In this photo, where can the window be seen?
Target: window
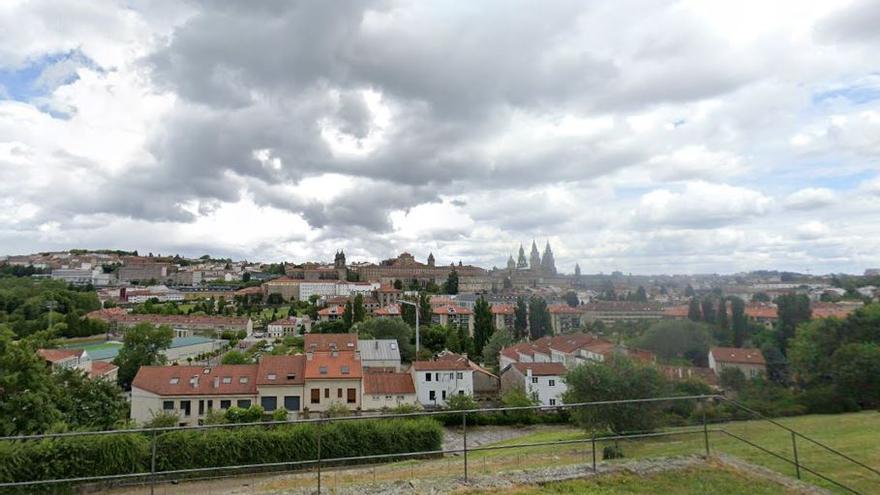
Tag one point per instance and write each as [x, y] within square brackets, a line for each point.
[534, 379]
[242, 379]
[271, 376]
[437, 376]
[459, 375]
[444, 395]
[345, 370]
[387, 397]
[185, 407]
[291, 402]
[168, 405]
[322, 370]
[225, 404]
[432, 395]
[552, 382]
[338, 393]
[210, 404]
[326, 393]
[227, 379]
[552, 402]
[291, 376]
[351, 396]
[427, 377]
[174, 381]
[461, 392]
[269, 403]
[316, 396]
[243, 403]
[201, 407]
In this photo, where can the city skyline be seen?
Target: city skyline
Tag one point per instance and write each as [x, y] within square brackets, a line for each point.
[689, 139]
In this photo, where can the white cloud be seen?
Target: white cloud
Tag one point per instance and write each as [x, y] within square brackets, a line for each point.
[701, 205]
[810, 198]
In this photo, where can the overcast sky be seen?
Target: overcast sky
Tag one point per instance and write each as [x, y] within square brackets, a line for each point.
[642, 136]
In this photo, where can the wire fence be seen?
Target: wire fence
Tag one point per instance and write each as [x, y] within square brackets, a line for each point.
[455, 462]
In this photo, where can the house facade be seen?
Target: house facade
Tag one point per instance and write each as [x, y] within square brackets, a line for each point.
[437, 381]
[545, 382]
[453, 316]
[750, 361]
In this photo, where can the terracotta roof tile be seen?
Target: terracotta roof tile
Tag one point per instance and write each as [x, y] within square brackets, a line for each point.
[343, 365]
[56, 355]
[388, 384]
[541, 369]
[227, 379]
[281, 370]
[737, 355]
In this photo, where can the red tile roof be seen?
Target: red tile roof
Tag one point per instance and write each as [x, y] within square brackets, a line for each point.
[56, 355]
[676, 312]
[564, 309]
[388, 384]
[502, 309]
[284, 322]
[323, 342]
[336, 309]
[765, 311]
[171, 320]
[341, 365]
[737, 355]
[541, 369]
[100, 368]
[441, 365]
[388, 289]
[287, 370]
[160, 380]
[390, 310]
[831, 311]
[450, 309]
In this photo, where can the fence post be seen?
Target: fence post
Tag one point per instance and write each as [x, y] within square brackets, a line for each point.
[705, 429]
[797, 465]
[593, 441]
[320, 429]
[464, 433]
[153, 463]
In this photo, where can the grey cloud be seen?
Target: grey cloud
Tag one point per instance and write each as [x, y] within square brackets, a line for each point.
[857, 21]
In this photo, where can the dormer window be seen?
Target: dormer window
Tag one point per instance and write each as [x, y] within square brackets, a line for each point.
[291, 376]
[242, 379]
[322, 370]
[271, 376]
[227, 379]
[206, 371]
[345, 370]
[174, 381]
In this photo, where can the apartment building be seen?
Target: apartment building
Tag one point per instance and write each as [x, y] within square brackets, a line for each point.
[545, 382]
[565, 318]
[569, 350]
[436, 381]
[454, 316]
[609, 312]
[503, 316]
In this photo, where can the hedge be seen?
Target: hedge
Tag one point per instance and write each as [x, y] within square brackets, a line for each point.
[71, 457]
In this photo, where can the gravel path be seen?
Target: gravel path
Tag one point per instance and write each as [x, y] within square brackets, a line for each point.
[484, 435]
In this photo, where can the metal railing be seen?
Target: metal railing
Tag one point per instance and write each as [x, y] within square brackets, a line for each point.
[320, 462]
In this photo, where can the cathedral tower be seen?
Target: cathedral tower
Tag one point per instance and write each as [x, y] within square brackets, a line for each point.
[521, 263]
[548, 264]
[535, 258]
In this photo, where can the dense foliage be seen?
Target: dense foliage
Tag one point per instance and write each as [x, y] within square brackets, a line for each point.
[28, 306]
[142, 346]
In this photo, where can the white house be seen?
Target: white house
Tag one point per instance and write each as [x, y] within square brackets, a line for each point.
[543, 381]
[296, 326]
[436, 381]
[79, 359]
[750, 361]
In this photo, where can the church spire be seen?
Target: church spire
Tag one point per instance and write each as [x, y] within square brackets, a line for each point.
[511, 265]
[535, 258]
[577, 270]
[521, 262]
[548, 264]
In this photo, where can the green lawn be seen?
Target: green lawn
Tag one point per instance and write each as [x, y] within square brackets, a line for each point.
[283, 312]
[856, 434]
[696, 481]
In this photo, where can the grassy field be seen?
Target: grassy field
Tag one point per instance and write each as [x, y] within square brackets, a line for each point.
[697, 481]
[283, 312]
[857, 435]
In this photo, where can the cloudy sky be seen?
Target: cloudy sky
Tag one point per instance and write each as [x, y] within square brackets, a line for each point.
[641, 136]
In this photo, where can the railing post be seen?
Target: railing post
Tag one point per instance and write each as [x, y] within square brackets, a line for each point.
[320, 429]
[153, 463]
[593, 441]
[797, 465]
[705, 428]
[464, 433]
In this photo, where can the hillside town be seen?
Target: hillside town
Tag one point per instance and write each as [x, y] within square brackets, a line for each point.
[315, 338]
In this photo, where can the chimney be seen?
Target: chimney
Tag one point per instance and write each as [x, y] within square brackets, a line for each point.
[309, 355]
[216, 382]
[529, 374]
[195, 381]
[334, 353]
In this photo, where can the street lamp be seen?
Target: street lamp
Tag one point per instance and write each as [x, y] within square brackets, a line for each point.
[416, 306]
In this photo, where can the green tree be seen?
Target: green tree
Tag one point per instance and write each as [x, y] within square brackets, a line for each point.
[855, 372]
[26, 388]
[793, 309]
[520, 319]
[738, 321]
[142, 346]
[358, 310]
[398, 284]
[335, 326]
[689, 291]
[671, 339]
[451, 285]
[571, 298]
[483, 326]
[500, 339]
[425, 309]
[408, 314]
[694, 313]
[619, 379]
[390, 328]
[760, 297]
[641, 295]
[347, 315]
[708, 310]
[539, 318]
[93, 404]
[732, 378]
[236, 357]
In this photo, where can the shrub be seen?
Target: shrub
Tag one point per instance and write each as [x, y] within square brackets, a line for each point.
[612, 452]
[162, 419]
[337, 410]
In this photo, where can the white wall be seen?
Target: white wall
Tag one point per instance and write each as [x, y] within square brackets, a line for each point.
[459, 382]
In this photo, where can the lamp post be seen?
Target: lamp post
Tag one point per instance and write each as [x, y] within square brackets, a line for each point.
[416, 307]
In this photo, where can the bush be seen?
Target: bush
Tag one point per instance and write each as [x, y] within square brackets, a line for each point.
[612, 452]
[826, 400]
[183, 449]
